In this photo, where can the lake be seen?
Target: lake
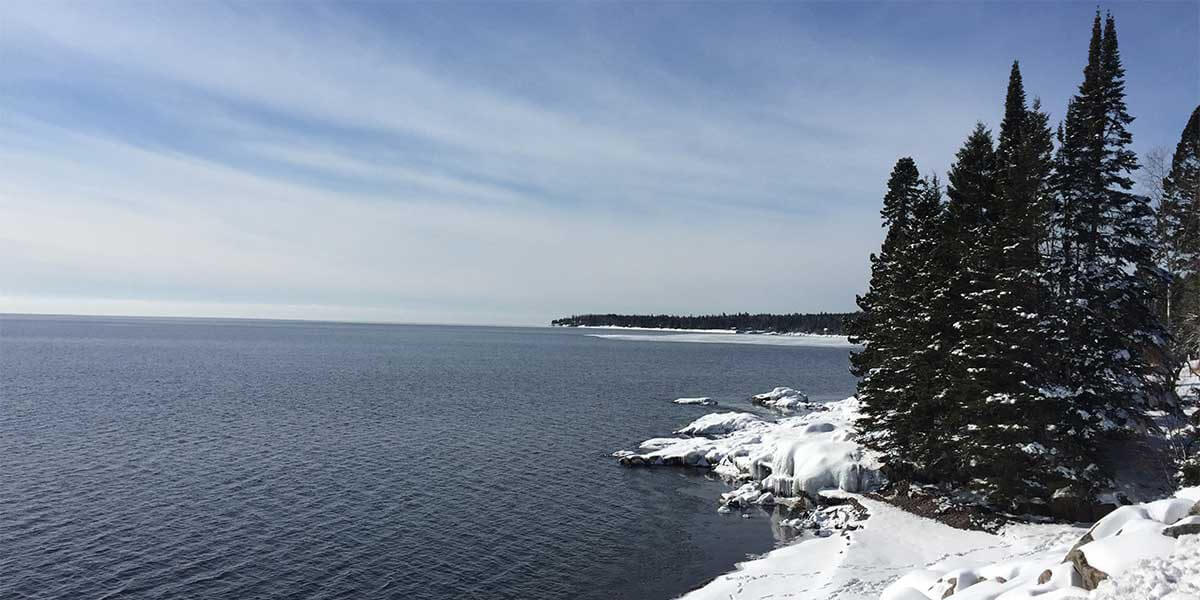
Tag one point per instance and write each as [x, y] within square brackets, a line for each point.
[203, 458]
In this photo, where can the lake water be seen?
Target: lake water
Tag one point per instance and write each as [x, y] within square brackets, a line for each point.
[233, 459]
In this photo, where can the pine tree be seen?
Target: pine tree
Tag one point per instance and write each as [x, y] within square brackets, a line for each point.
[1018, 450]
[971, 190]
[1107, 337]
[1181, 240]
[876, 326]
[893, 363]
[1180, 217]
[921, 419]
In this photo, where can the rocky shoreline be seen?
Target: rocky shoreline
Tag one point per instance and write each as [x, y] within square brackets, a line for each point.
[807, 465]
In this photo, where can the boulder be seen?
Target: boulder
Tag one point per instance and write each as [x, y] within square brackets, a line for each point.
[1089, 576]
[1186, 526]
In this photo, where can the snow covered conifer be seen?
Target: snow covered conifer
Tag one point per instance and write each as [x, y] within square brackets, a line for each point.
[1180, 210]
[1180, 254]
[971, 189]
[884, 328]
[1109, 341]
[1015, 447]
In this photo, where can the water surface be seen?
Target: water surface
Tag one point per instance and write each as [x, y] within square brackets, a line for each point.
[171, 458]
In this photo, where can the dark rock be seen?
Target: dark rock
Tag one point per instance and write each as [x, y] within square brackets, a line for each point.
[1086, 539]
[953, 581]
[1044, 577]
[1185, 526]
[1089, 576]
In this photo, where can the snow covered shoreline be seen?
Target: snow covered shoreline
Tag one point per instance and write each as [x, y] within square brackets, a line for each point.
[627, 328]
[730, 337]
[865, 548]
[796, 456]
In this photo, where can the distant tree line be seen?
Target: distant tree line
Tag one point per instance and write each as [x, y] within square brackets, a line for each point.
[829, 323]
[1033, 308]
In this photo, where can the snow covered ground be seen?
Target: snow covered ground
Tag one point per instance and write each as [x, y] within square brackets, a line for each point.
[833, 341]
[1148, 551]
[1125, 546]
[861, 564]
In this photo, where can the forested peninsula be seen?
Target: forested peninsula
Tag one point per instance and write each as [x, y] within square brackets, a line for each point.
[814, 323]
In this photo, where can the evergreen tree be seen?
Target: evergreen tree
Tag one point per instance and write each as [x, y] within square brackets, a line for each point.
[920, 419]
[1018, 450]
[1180, 216]
[1010, 330]
[887, 327]
[1107, 337]
[971, 191]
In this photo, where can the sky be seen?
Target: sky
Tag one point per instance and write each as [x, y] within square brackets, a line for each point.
[505, 163]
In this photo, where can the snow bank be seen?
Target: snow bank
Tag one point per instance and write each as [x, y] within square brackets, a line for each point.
[696, 401]
[859, 564]
[794, 456]
[895, 555]
[1125, 553]
[782, 398]
[1174, 577]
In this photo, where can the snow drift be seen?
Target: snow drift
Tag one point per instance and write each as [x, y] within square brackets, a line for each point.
[1122, 555]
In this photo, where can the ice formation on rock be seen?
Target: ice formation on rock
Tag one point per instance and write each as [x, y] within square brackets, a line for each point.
[782, 398]
[794, 456]
[696, 401]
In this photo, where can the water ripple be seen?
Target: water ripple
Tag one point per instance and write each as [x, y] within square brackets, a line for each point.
[231, 460]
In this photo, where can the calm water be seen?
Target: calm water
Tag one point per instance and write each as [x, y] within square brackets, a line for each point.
[151, 458]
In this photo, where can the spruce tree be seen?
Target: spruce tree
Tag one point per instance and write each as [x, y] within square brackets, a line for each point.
[1018, 450]
[1180, 210]
[971, 191]
[1180, 215]
[1107, 339]
[921, 419]
[876, 326]
[889, 384]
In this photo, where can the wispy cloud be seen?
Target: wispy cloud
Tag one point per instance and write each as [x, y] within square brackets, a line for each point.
[433, 164]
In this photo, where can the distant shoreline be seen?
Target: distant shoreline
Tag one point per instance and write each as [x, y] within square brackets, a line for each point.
[821, 323]
[730, 337]
[719, 331]
[630, 328]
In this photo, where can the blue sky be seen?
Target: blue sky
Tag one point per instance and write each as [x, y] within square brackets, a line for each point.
[500, 162]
